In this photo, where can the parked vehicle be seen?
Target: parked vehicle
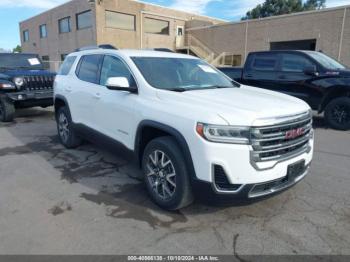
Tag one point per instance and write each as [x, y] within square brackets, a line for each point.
[311, 76]
[23, 83]
[191, 128]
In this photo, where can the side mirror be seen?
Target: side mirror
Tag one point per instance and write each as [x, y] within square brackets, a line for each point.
[310, 71]
[120, 84]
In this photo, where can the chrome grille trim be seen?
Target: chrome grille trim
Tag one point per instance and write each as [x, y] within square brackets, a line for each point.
[270, 143]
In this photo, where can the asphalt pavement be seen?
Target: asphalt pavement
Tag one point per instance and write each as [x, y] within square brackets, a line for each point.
[91, 201]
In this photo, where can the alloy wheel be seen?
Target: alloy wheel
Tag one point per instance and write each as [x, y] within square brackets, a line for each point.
[63, 127]
[161, 174]
[341, 114]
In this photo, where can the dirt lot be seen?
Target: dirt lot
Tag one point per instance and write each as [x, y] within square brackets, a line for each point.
[90, 201]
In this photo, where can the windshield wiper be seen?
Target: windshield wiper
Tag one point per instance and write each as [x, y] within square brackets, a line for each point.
[177, 89]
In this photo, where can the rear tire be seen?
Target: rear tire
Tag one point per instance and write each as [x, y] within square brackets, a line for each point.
[66, 132]
[7, 110]
[337, 113]
[166, 174]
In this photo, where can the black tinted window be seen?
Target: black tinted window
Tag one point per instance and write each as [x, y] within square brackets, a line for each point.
[114, 67]
[67, 65]
[89, 69]
[265, 62]
[294, 63]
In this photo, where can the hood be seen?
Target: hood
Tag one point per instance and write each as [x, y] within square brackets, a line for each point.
[240, 106]
[14, 73]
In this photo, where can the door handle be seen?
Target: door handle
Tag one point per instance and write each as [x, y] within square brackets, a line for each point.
[97, 95]
[282, 77]
[249, 75]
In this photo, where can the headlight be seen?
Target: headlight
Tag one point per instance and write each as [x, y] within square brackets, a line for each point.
[18, 81]
[224, 134]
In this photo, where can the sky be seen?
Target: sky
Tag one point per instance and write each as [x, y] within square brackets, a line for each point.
[14, 11]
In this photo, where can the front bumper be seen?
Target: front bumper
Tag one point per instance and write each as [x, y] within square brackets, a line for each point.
[249, 192]
[24, 96]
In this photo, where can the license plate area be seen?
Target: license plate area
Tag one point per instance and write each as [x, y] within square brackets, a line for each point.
[295, 170]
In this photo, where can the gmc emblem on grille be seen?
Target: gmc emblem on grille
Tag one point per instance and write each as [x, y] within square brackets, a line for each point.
[291, 134]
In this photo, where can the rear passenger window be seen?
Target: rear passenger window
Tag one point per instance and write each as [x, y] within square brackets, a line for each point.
[89, 69]
[67, 65]
[294, 63]
[265, 62]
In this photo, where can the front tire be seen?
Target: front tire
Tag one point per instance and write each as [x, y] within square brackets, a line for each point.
[66, 132]
[166, 174]
[7, 110]
[337, 113]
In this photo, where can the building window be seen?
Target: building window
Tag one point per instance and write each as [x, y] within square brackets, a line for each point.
[26, 36]
[84, 20]
[120, 21]
[64, 25]
[43, 31]
[63, 56]
[46, 62]
[155, 26]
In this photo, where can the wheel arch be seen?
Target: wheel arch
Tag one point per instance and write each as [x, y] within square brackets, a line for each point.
[59, 102]
[148, 130]
[338, 91]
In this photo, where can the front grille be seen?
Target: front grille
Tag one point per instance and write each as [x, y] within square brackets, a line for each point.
[280, 141]
[37, 83]
[221, 181]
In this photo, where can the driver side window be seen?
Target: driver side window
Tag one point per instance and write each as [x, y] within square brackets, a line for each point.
[295, 63]
[114, 67]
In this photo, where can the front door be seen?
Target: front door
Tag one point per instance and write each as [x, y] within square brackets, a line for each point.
[116, 108]
[295, 82]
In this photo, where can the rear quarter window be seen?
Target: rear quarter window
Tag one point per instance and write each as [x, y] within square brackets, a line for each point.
[67, 65]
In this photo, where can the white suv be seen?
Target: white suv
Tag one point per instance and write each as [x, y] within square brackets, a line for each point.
[191, 127]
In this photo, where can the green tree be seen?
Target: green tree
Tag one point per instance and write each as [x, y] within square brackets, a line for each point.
[281, 7]
[17, 49]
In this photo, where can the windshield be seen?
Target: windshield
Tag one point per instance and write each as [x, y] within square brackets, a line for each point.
[326, 61]
[181, 74]
[20, 61]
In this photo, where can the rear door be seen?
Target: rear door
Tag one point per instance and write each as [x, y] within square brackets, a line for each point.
[85, 90]
[261, 71]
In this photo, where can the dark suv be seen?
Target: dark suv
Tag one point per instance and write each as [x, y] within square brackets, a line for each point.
[23, 83]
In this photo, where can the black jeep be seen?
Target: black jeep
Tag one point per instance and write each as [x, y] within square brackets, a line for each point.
[23, 83]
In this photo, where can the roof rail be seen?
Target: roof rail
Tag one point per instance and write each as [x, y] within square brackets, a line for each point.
[92, 47]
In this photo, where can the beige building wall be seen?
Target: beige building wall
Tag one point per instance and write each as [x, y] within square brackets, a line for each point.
[57, 44]
[139, 38]
[240, 38]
